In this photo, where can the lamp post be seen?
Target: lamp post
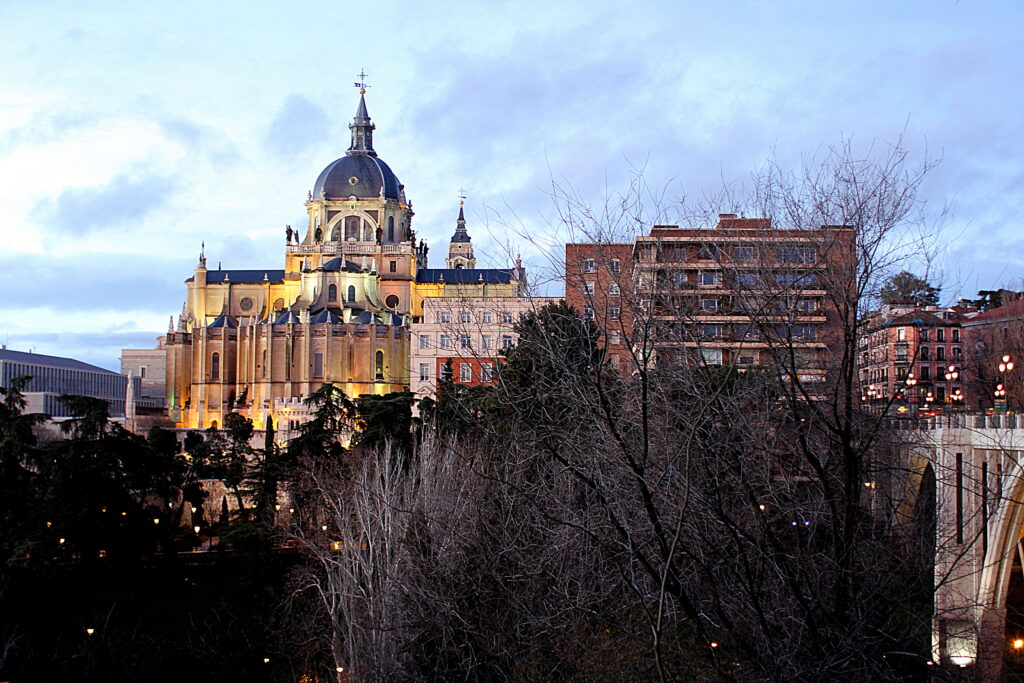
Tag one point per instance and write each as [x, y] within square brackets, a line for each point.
[1005, 366]
[911, 392]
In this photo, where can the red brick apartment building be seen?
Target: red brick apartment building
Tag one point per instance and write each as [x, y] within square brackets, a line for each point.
[990, 336]
[735, 294]
[913, 358]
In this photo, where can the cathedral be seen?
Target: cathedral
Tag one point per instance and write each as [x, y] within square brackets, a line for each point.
[258, 341]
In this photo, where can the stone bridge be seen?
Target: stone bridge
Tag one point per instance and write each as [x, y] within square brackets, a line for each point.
[976, 465]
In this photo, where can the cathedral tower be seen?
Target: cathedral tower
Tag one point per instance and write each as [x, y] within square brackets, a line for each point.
[460, 250]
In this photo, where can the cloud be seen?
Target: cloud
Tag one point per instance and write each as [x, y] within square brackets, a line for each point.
[98, 348]
[44, 127]
[298, 125]
[97, 282]
[129, 196]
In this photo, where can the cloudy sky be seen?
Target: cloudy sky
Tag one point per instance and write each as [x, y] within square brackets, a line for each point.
[131, 132]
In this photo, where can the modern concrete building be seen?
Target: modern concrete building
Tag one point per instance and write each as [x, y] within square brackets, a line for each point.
[53, 376]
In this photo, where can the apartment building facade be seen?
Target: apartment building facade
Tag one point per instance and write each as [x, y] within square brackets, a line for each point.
[467, 334]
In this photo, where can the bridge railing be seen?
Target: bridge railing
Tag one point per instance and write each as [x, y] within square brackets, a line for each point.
[960, 421]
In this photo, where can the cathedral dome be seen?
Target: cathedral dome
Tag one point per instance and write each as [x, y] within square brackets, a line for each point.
[356, 175]
[359, 173]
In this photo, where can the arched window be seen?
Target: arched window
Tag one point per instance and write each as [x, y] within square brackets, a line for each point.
[215, 366]
[213, 424]
[379, 371]
[351, 227]
[351, 292]
[336, 234]
[391, 229]
[332, 293]
[367, 232]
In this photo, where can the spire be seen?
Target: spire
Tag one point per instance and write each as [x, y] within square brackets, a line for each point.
[361, 126]
[460, 227]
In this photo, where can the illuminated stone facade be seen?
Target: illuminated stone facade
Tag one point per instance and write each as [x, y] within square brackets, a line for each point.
[258, 341]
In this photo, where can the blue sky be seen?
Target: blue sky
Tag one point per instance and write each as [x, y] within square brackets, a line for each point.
[131, 132]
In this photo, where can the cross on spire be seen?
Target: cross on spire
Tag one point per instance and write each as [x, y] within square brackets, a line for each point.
[361, 83]
[462, 195]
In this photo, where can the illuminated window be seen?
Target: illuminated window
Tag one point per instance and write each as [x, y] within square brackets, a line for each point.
[379, 366]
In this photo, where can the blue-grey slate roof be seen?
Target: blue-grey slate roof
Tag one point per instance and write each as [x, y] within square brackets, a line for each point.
[243, 275]
[370, 173]
[338, 263]
[465, 275]
[49, 361]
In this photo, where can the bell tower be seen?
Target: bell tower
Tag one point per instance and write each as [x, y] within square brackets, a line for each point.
[460, 249]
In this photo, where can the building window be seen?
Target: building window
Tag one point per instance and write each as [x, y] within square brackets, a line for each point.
[391, 228]
[318, 364]
[486, 372]
[424, 341]
[487, 317]
[746, 360]
[588, 312]
[392, 266]
[263, 365]
[925, 374]
[924, 353]
[709, 278]
[588, 288]
[392, 301]
[351, 293]
[351, 227]
[613, 289]
[588, 265]
[940, 335]
[615, 265]
[446, 342]
[711, 331]
[744, 253]
[804, 332]
[445, 373]
[332, 293]
[613, 313]
[956, 335]
[464, 341]
[379, 366]
[901, 334]
[465, 317]
[444, 317]
[506, 341]
[956, 353]
[466, 373]
[424, 372]
[506, 317]
[142, 372]
[940, 353]
[614, 338]
[711, 356]
[746, 279]
[796, 254]
[215, 366]
[924, 335]
[485, 341]
[708, 252]
[709, 305]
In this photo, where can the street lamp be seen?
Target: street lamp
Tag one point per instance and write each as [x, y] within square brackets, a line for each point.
[1005, 366]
